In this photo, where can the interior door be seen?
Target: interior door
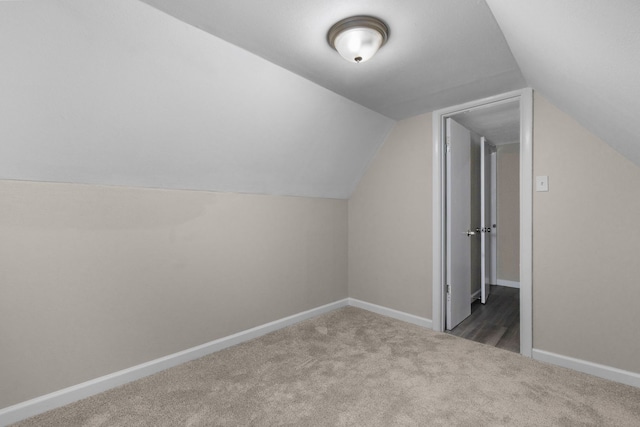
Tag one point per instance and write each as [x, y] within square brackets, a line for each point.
[487, 215]
[459, 233]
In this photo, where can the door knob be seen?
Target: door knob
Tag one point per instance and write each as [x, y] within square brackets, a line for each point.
[470, 233]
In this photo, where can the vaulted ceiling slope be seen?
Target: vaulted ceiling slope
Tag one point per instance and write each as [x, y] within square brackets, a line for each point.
[122, 93]
[439, 53]
[584, 56]
[119, 93]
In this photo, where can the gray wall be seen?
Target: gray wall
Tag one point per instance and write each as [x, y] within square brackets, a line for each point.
[586, 245]
[508, 215]
[390, 223]
[98, 279]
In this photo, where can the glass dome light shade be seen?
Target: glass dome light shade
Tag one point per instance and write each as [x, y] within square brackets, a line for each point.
[358, 44]
[358, 38]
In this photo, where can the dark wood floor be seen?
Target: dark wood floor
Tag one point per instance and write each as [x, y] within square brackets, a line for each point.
[495, 323]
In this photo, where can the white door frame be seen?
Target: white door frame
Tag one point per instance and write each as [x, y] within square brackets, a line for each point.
[525, 96]
[493, 274]
[487, 223]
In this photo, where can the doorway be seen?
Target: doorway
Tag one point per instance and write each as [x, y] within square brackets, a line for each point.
[486, 118]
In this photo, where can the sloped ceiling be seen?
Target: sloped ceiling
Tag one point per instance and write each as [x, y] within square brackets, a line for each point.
[584, 56]
[499, 124]
[120, 93]
[247, 96]
[439, 53]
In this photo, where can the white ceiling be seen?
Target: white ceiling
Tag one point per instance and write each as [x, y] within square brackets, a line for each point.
[123, 93]
[120, 93]
[584, 56]
[498, 123]
[439, 53]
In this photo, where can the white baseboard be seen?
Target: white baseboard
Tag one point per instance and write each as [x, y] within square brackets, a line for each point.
[595, 369]
[71, 394]
[508, 283]
[476, 295]
[400, 315]
[38, 405]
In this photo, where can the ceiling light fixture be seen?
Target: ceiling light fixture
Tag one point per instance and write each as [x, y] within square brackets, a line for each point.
[358, 38]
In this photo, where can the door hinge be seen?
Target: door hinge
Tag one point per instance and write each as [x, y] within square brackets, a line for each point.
[448, 145]
[449, 289]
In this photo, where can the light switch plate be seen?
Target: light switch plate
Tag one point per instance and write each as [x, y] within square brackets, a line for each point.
[542, 183]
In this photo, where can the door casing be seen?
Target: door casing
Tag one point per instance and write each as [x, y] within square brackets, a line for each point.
[525, 98]
[487, 206]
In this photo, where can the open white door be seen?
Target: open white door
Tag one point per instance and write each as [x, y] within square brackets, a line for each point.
[459, 233]
[487, 218]
[524, 99]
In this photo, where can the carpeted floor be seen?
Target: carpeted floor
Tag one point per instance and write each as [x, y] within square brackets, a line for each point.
[351, 367]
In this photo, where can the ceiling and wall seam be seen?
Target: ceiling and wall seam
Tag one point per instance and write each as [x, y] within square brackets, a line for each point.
[249, 97]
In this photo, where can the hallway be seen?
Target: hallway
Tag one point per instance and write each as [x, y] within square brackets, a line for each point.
[496, 323]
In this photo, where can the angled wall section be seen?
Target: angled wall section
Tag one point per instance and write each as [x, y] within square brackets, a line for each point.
[584, 59]
[119, 93]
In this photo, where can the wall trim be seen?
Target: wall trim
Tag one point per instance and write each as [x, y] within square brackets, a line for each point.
[38, 405]
[595, 369]
[509, 283]
[389, 312]
[476, 295]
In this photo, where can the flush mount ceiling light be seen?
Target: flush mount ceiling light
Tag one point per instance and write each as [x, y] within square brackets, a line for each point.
[358, 38]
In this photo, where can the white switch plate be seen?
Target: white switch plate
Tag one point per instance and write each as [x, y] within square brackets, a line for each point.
[542, 183]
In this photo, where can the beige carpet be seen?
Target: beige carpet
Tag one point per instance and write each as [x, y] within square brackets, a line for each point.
[355, 368]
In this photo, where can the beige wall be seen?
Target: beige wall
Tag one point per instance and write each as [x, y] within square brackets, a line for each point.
[586, 237]
[390, 223]
[508, 215]
[97, 279]
[586, 269]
